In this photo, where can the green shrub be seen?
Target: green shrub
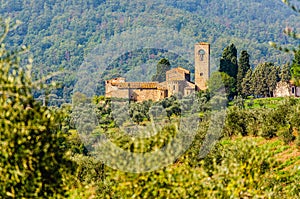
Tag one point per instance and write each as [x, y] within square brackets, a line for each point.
[235, 122]
[298, 141]
[233, 169]
[238, 172]
[287, 134]
[33, 161]
[268, 131]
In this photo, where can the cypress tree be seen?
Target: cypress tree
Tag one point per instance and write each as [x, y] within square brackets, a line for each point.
[228, 61]
[264, 79]
[243, 67]
[247, 89]
[285, 73]
[161, 68]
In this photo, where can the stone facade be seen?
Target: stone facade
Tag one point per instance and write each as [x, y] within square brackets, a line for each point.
[202, 65]
[177, 81]
[284, 89]
[136, 91]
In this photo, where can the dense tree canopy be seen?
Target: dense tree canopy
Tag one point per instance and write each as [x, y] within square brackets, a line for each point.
[285, 73]
[63, 33]
[264, 79]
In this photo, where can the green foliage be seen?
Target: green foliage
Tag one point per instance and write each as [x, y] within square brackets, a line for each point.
[140, 111]
[237, 171]
[142, 145]
[33, 159]
[246, 85]
[229, 62]
[221, 83]
[288, 30]
[285, 73]
[298, 141]
[172, 182]
[233, 169]
[236, 122]
[295, 68]
[266, 117]
[63, 33]
[75, 144]
[161, 68]
[89, 170]
[287, 134]
[243, 68]
[264, 79]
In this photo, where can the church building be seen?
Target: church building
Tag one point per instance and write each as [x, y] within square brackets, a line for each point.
[177, 81]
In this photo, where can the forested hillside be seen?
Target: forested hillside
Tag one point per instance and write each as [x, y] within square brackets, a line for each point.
[63, 33]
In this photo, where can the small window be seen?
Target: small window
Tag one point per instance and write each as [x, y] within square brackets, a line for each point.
[201, 57]
[201, 54]
[201, 74]
[293, 90]
[174, 87]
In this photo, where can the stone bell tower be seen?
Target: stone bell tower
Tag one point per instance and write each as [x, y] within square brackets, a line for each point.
[202, 65]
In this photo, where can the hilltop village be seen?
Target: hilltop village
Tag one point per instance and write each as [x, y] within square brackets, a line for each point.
[177, 81]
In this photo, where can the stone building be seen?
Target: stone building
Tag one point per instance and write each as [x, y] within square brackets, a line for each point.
[284, 89]
[177, 81]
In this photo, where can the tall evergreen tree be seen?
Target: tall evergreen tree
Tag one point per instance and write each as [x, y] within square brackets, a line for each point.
[161, 68]
[295, 69]
[228, 61]
[285, 73]
[247, 89]
[264, 79]
[243, 67]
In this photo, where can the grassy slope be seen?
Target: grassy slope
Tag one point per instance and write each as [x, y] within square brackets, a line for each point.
[287, 155]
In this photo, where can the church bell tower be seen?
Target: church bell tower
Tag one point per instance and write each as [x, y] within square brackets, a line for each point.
[202, 65]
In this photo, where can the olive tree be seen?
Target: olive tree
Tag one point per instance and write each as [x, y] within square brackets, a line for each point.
[33, 161]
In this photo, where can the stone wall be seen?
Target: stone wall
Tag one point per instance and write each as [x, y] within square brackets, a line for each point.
[202, 65]
[118, 93]
[140, 95]
[282, 90]
[136, 91]
[177, 74]
[181, 87]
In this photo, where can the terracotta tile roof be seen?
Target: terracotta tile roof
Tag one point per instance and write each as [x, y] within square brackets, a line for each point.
[140, 85]
[179, 69]
[203, 43]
